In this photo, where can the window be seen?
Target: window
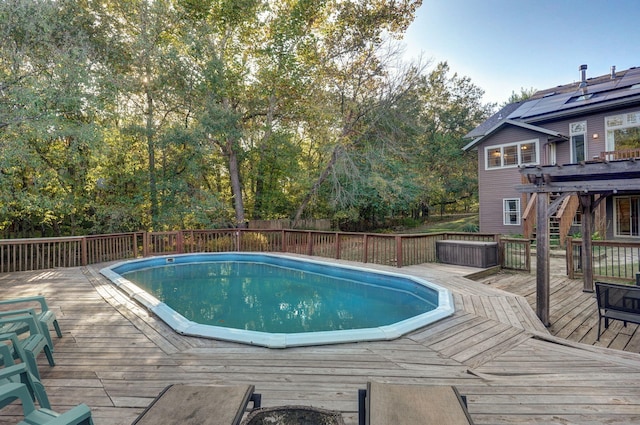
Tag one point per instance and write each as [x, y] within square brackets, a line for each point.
[511, 211]
[577, 131]
[627, 217]
[623, 131]
[512, 155]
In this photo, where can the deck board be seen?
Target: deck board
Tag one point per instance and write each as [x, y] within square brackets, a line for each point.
[116, 357]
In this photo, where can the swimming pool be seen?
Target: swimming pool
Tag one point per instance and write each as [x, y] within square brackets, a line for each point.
[340, 317]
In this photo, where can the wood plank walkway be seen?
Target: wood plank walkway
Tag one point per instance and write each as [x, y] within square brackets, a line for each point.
[573, 313]
[115, 357]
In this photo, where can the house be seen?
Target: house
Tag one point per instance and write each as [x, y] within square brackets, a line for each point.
[591, 120]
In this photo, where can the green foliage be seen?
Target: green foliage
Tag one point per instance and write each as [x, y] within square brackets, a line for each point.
[132, 115]
[522, 96]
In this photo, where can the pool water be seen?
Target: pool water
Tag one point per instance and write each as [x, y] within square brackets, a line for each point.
[270, 298]
[279, 301]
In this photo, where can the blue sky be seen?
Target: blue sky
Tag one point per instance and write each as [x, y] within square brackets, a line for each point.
[506, 45]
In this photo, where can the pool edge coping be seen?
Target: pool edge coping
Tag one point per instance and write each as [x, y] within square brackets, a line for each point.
[187, 327]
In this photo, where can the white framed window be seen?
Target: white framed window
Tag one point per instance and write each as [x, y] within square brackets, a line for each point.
[627, 216]
[511, 211]
[512, 154]
[578, 137]
[622, 131]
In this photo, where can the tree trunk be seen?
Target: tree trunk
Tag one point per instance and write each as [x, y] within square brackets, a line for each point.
[236, 185]
[260, 175]
[153, 195]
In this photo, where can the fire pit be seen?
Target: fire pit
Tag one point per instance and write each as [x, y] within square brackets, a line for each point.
[293, 415]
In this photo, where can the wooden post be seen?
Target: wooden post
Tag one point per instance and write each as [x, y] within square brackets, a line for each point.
[83, 247]
[586, 201]
[365, 248]
[542, 258]
[398, 251]
[569, 257]
[337, 245]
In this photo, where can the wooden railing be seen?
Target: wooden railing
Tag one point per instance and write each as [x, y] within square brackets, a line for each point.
[566, 213]
[515, 254]
[620, 154]
[612, 260]
[385, 249]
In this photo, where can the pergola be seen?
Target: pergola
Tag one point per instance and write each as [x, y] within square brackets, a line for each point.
[586, 180]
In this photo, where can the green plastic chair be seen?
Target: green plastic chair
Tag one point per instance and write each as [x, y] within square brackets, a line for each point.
[28, 349]
[45, 317]
[19, 374]
[79, 415]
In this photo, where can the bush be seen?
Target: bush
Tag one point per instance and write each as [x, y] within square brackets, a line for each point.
[470, 228]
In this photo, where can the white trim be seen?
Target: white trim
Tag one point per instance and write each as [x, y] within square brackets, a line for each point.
[632, 198]
[618, 122]
[506, 212]
[578, 128]
[518, 146]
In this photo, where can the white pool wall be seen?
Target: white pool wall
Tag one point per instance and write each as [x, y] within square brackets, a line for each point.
[184, 326]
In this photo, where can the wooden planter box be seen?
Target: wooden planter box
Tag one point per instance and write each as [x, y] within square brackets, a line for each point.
[467, 253]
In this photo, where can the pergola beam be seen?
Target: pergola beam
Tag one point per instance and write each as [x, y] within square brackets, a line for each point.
[587, 179]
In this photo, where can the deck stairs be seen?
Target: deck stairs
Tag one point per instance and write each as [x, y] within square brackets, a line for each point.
[562, 210]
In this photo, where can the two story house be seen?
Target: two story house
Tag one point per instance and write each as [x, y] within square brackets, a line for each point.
[593, 119]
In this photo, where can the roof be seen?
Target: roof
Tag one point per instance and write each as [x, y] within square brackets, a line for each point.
[600, 93]
[520, 124]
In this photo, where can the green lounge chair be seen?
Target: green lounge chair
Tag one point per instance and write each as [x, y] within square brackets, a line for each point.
[45, 317]
[79, 415]
[27, 349]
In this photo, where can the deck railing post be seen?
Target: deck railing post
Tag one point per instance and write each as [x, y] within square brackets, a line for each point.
[337, 245]
[283, 242]
[365, 248]
[145, 244]
[568, 253]
[83, 248]
[398, 251]
[134, 236]
[179, 242]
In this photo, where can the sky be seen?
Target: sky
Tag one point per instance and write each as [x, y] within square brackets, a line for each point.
[504, 46]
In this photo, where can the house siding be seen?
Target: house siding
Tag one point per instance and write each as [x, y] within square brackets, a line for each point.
[498, 184]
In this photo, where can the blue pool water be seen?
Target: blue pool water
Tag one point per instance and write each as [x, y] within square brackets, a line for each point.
[279, 301]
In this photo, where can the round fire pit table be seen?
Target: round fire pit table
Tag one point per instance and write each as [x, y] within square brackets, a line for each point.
[293, 415]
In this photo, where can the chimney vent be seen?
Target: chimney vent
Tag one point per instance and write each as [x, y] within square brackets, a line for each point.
[583, 76]
[613, 72]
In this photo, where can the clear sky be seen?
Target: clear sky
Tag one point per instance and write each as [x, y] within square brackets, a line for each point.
[506, 45]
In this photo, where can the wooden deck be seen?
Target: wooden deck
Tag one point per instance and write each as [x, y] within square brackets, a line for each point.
[573, 313]
[116, 358]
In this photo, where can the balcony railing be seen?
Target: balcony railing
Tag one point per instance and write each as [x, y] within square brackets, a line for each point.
[620, 154]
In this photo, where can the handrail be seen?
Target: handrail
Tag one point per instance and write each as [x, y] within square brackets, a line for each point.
[529, 219]
[566, 213]
[615, 260]
[620, 154]
[397, 250]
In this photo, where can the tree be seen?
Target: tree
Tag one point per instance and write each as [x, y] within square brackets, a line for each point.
[47, 112]
[351, 68]
[452, 107]
[519, 97]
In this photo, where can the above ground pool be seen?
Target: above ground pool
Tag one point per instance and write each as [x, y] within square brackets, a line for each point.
[279, 301]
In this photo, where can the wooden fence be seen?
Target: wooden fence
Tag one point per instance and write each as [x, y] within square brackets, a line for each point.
[612, 260]
[386, 249]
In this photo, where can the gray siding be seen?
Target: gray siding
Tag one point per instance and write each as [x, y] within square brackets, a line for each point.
[496, 185]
